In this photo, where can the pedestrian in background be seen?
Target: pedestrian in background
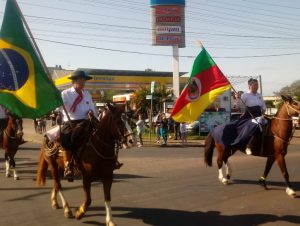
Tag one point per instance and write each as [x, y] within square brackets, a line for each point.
[183, 133]
[164, 128]
[176, 130]
[157, 127]
[140, 129]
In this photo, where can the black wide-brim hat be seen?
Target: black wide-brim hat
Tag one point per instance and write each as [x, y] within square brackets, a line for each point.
[79, 74]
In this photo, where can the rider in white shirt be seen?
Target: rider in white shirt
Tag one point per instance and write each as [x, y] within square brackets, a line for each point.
[255, 106]
[79, 104]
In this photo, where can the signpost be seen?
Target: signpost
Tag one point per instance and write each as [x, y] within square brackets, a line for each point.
[168, 29]
[152, 88]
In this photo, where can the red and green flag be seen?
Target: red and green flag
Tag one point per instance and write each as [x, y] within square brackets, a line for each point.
[25, 88]
[205, 84]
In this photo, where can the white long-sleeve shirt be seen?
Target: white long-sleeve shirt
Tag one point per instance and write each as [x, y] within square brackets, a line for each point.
[251, 99]
[82, 109]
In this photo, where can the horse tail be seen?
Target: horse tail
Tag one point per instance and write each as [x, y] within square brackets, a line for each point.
[209, 149]
[42, 170]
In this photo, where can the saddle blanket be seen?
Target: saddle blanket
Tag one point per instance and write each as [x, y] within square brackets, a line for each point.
[237, 133]
[53, 134]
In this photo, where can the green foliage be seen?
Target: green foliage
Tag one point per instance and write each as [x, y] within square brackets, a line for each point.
[161, 94]
[269, 104]
[292, 90]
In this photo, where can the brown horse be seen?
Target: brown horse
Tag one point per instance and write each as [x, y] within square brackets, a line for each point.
[10, 139]
[95, 160]
[274, 147]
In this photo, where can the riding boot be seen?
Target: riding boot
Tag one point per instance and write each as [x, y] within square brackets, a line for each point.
[69, 174]
[118, 165]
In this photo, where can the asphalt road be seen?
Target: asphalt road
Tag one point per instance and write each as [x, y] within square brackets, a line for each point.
[159, 186]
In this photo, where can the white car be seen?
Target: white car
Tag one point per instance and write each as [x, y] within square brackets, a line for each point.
[194, 126]
[296, 122]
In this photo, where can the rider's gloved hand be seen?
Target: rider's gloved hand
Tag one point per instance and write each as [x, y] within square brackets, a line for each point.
[90, 114]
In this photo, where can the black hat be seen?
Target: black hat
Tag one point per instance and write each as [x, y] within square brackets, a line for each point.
[79, 74]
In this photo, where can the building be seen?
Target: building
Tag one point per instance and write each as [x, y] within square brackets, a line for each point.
[104, 79]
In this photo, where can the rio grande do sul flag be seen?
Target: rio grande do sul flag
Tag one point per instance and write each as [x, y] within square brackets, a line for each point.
[205, 84]
[25, 88]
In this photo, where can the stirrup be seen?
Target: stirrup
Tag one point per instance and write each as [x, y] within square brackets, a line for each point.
[118, 165]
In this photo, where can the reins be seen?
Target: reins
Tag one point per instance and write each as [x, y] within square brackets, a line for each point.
[98, 140]
[10, 136]
[287, 106]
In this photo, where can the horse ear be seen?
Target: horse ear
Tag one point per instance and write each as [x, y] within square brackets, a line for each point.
[287, 98]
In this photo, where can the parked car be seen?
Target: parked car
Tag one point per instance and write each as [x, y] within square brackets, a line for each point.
[296, 122]
[193, 127]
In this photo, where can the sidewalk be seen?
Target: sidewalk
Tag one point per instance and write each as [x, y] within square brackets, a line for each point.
[29, 132]
[32, 136]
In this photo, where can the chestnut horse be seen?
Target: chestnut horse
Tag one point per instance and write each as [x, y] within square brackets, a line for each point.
[10, 139]
[274, 147]
[95, 160]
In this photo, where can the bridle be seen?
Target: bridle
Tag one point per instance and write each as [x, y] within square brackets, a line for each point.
[16, 136]
[289, 119]
[96, 135]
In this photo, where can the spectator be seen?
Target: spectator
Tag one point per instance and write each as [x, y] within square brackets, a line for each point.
[170, 126]
[140, 129]
[176, 130]
[183, 133]
[164, 129]
[157, 127]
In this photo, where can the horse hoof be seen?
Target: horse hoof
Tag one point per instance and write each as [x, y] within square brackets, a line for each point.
[228, 177]
[78, 215]
[290, 192]
[224, 180]
[110, 223]
[16, 178]
[68, 214]
[55, 206]
[263, 183]
[7, 175]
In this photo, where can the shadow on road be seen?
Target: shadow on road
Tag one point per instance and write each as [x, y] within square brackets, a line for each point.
[168, 217]
[295, 185]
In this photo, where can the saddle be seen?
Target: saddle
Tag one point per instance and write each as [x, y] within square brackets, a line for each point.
[79, 136]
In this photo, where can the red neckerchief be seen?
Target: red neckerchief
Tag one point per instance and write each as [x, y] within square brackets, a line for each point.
[76, 101]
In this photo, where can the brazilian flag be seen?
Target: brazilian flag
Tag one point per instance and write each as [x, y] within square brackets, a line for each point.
[25, 88]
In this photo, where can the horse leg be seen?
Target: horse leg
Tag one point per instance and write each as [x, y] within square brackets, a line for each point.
[262, 179]
[282, 165]
[220, 160]
[54, 202]
[9, 163]
[57, 189]
[87, 196]
[7, 167]
[65, 204]
[228, 169]
[107, 197]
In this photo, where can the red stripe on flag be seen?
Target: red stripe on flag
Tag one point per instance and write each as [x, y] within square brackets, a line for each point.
[210, 79]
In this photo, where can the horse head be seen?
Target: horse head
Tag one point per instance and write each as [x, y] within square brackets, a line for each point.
[292, 106]
[114, 121]
[14, 127]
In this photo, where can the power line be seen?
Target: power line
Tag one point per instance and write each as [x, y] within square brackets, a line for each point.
[164, 55]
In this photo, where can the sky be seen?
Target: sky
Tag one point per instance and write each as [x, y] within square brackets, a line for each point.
[244, 37]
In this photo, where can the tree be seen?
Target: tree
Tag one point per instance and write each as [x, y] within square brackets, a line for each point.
[292, 90]
[161, 94]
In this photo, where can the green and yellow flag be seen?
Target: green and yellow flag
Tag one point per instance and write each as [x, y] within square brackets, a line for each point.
[25, 88]
[205, 84]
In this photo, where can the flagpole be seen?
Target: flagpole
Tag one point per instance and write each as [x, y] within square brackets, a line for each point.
[38, 52]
